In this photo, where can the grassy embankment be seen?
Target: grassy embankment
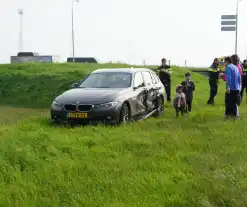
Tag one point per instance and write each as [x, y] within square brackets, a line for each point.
[198, 160]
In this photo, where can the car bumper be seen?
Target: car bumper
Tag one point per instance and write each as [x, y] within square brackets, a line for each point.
[108, 116]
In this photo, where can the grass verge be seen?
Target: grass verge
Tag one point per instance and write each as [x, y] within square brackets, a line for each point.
[199, 160]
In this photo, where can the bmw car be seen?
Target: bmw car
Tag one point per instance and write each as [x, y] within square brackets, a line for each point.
[113, 96]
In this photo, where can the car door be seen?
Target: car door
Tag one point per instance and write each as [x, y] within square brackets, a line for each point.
[138, 95]
[150, 89]
[158, 86]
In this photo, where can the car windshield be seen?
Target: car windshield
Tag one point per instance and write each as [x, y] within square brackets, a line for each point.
[107, 80]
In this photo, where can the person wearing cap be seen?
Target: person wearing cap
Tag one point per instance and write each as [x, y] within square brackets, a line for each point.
[164, 72]
[179, 102]
[214, 76]
[188, 89]
[244, 80]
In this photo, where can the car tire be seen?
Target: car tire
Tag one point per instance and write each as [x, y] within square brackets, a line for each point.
[124, 116]
[159, 106]
[55, 122]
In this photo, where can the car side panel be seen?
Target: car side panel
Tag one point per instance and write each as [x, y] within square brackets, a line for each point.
[137, 101]
[158, 87]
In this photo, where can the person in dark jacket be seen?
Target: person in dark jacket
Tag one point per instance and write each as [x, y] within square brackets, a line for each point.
[214, 75]
[164, 72]
[244, 80]
[188, 89]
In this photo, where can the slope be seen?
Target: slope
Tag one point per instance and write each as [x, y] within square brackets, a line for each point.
[199, 160]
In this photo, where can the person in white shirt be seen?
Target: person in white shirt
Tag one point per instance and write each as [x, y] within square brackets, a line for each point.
[179, 101]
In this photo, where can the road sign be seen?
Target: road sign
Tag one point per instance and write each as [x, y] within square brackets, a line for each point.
[228, 29]
[229, 23]
[228, 17]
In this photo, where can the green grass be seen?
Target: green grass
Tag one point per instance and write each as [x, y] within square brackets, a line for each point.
[199, 160]
[10, 115]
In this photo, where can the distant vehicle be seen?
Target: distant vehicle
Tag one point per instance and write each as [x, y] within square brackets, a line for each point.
[27, 54]
[82, 60]
[112, 96]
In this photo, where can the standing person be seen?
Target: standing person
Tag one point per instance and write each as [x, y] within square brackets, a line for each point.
[165, 77]
[233, 86]
[244, 80]
[179, 101]
[214, 74]
[188, 88]
[239, 66]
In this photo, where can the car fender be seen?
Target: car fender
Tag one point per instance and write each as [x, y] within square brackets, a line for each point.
[121, 102]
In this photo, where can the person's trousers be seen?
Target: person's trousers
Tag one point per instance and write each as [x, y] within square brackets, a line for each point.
[189, 105]
[213, 91]
[180, 109]
[244, 86]
[167, 86]
[231, 103]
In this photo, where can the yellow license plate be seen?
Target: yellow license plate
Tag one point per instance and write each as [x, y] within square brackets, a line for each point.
[77, 115]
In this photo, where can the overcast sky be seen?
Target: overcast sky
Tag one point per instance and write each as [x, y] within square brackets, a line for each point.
[127, 30]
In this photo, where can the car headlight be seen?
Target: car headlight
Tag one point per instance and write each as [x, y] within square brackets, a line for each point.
[108, 105]
[56, 105]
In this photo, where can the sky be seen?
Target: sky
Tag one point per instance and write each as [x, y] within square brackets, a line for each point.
[123, 30]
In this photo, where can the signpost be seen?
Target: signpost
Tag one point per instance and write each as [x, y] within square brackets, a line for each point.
[20, 12]
[229, 23]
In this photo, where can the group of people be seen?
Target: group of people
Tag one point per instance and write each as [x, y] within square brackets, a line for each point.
[184, 92]
[234, 73]
[229, 69]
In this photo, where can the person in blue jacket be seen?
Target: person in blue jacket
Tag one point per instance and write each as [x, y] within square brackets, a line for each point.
[233, 87]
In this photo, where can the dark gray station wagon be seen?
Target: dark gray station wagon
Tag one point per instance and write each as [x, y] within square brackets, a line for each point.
[111, 96]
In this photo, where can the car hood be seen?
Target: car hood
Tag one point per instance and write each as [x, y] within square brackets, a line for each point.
[89, 96]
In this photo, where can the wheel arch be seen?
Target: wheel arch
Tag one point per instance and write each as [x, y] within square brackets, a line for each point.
[163, 99]
[128, 104]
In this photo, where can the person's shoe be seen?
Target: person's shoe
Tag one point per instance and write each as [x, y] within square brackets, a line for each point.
[226, 117]
[209, 102]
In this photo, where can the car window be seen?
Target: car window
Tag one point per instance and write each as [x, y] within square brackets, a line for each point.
[154, 78]
[138, 80]
[147, 78]
[107, 80]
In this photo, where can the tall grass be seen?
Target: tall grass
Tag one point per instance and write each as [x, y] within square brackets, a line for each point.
[197, 160]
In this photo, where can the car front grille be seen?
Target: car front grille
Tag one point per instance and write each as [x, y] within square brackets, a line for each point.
[70, 107]
[85, 108]
[81, 107]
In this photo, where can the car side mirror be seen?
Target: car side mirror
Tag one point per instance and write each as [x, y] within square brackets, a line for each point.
[74, 85]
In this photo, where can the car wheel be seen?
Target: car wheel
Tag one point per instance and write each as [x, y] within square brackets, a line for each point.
[124, 114]
[56, 122]
[159, 106]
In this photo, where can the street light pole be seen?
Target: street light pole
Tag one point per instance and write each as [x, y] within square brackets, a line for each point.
[20, 12]
[73, 35]
[236, 33]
